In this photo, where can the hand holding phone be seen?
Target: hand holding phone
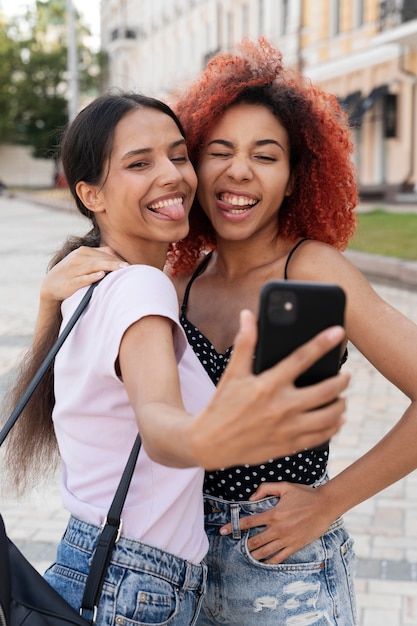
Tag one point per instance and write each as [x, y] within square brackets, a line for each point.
[290, 314]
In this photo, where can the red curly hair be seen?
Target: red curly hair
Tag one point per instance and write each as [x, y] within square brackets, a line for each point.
[322, 203]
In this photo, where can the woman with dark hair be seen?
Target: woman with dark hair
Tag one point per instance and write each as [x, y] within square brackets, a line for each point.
[276, 199]
[127, 367]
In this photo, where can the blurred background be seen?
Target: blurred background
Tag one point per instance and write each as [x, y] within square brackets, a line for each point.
[55, 55]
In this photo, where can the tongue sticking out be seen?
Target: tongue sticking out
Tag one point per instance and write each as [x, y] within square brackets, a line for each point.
[173, 211]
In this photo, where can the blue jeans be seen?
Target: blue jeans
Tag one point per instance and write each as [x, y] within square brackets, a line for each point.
[314, 586]
[143, 585]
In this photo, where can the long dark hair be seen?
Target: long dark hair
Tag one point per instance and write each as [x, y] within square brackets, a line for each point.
[86, 146]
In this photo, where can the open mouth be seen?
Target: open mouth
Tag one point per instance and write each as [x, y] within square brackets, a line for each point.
[236, 204]
[172, 208]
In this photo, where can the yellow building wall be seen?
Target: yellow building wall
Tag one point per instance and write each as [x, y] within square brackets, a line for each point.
[317, 26]
[379, 160]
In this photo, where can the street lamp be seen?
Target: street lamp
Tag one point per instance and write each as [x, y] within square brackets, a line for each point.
[72, 62]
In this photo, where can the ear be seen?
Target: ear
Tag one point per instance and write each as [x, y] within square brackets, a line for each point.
[290, 185]
[90, 196]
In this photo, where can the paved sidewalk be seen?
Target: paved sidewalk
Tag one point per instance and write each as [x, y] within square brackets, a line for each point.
[385, 528]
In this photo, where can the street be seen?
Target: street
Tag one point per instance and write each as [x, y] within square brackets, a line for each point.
[384, 528]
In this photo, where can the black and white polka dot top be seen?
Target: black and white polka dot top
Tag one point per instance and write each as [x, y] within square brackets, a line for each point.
[238, 483]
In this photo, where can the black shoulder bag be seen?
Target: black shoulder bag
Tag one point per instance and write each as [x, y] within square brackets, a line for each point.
[25, 596]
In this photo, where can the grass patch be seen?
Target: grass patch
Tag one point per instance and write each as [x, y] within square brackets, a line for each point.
[388, 234]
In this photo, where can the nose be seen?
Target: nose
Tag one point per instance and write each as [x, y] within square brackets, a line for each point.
[169, 172]
[240, 168]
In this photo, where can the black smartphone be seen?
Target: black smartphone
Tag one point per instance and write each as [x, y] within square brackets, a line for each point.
[292, 312]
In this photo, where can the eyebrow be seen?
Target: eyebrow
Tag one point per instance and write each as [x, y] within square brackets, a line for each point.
[139, 151]
[261, 142]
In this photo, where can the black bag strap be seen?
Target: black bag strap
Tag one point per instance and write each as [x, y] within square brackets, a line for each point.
[112, 527]
[108, 538]
[4, 579]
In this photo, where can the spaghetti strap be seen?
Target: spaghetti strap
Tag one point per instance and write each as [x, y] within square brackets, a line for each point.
[200, 269]
[290, 255]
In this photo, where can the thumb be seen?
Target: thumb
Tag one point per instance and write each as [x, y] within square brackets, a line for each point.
[241, 361]
[267, 489]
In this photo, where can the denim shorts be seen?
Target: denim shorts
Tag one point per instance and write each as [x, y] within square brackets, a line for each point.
[313, 586]
[143, 585]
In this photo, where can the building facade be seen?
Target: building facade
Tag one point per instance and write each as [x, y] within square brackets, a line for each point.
[155, 45]
[364, 51]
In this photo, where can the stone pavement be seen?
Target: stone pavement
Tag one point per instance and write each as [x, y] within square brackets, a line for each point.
[384, 528]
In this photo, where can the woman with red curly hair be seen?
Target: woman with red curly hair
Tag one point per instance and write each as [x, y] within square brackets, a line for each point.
[322, 202]
[275, 200]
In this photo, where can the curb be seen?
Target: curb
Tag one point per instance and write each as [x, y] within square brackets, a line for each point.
[49, 203]
[389, 270]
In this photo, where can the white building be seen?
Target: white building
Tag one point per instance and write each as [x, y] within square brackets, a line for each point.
[155, 45]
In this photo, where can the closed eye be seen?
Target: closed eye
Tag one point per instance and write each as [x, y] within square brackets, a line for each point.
[137, 165]
[265, 157]
[220, 155]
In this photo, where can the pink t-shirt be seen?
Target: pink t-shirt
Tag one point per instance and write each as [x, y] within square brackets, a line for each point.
[96, 427]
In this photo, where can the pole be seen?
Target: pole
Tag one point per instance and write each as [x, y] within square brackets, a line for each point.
[72, 63]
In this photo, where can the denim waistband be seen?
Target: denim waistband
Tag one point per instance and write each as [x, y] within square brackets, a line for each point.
[223, 511]
[215, 505]
[137, 556]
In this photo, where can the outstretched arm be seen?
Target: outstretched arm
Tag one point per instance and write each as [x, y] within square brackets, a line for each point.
[228, 431]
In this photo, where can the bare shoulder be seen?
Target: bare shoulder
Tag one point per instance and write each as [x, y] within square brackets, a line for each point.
[317, 261]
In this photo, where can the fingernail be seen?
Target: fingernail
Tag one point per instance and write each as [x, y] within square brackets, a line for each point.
[224, 531]
[335, 331]
[124, 264]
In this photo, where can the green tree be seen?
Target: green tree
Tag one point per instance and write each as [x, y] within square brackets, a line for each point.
[9, 58]
[36, 44]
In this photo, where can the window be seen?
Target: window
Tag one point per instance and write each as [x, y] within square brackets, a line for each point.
[261, 17]
[245, 19]
[229, 23]
[284, 16]
[390, 115]
[219, 26]
[359, 13]
[334, 18]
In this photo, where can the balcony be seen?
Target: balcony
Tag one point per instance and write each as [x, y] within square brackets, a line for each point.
[392, 13]
[123, 33]
[397, 23]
